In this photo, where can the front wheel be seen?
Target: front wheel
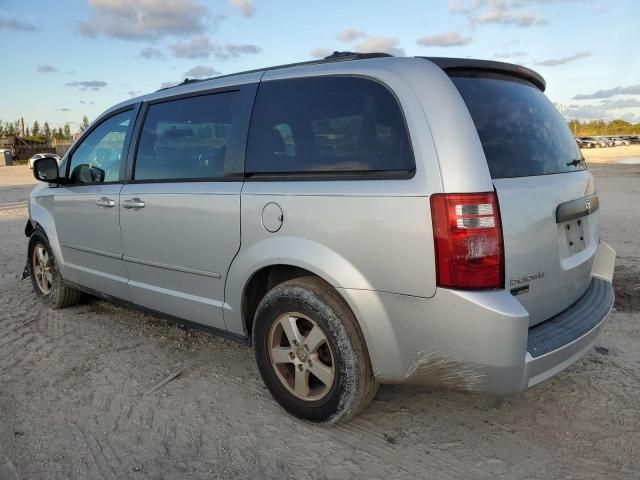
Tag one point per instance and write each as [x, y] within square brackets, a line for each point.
[45, 275]
[311, 353]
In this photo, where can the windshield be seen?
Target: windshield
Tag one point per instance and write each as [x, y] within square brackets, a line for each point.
[521, 132]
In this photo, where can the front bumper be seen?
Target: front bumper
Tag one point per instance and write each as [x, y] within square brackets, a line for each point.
[478, 341]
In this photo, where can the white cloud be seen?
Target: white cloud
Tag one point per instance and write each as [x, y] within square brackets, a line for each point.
[620, 103]
[554, 62]
[236, 50]
[46, 69]
[245, 7]
[509, 55]
[630, 117]
[349, 35]
[631, 90]
[147, 19]
[320, 52]
[88, 84]
[502, 12]
[201, 47]
[151, 53]
[381, 44]
[449, 39]
[169, 84]
[198, 47]
[606, 110]
[201, 71]
[11, 23]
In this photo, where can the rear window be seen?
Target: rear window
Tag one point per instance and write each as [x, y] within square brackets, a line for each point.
[521, 132]
[327, 125]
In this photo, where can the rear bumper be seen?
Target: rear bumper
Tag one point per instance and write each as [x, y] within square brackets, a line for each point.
[478, 341]
[558, 342]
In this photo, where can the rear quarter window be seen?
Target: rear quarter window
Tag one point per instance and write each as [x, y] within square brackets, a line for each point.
[521, 132]
[333, 125]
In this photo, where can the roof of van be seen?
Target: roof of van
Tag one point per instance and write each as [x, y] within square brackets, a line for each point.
[445, 63]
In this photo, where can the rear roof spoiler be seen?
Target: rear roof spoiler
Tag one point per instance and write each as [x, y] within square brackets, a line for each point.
[470, 64]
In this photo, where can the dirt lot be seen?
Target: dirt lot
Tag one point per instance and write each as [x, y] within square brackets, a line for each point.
[73, 384]
[612, 154]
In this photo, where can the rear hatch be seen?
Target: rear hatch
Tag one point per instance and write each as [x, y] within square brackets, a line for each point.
[546, 194]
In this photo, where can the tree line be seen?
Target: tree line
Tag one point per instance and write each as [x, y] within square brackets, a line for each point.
[41, 132]
[601, 127]
[44, 133]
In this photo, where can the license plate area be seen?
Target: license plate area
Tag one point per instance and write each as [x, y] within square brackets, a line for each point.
[576, 240]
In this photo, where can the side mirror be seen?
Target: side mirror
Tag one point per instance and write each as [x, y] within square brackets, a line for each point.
[85, 173]
[46, 170]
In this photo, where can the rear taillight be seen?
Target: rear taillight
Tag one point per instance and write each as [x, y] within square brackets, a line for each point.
[468, 240]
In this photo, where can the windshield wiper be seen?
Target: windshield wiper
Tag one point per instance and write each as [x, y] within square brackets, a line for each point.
[575, 162]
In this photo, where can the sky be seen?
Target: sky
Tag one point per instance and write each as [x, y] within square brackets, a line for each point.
[65, 59]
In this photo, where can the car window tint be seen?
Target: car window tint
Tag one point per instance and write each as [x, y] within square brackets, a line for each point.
[186, 138]
[521, 132]
[327, 124]
[98, 158]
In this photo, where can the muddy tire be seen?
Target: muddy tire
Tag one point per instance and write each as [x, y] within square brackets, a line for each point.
[311, 353]
[45, 275]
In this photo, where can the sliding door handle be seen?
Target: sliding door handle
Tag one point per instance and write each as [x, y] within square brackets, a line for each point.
[105, 202]
[134, 203]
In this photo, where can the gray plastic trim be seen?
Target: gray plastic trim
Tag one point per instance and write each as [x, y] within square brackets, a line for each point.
[575, 321]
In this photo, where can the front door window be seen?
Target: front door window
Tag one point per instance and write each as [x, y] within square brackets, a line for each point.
[99, 157]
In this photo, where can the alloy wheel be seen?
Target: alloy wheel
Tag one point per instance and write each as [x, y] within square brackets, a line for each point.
[42, 271]
[301, 356]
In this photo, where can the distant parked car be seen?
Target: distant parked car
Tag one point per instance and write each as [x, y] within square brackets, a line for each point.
[585, 142]
[43, 155]
[599, 142]
[621, 141]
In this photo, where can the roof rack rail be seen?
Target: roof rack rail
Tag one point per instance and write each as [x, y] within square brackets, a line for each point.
[334, 57]
[186, 81]
[337, 55]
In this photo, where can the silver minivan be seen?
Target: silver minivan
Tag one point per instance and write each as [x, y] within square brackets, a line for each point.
[361, 219]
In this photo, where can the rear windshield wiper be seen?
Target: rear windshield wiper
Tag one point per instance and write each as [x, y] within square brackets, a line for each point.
[575, 162]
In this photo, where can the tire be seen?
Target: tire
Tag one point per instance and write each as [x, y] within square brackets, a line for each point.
[48, 284]
[313, 303]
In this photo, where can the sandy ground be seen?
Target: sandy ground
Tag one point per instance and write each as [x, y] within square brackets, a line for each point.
[73, 384]
[612, 154]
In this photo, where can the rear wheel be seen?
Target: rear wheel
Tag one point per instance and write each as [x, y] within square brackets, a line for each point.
[301, 357]
[310, 352]
[45, 276]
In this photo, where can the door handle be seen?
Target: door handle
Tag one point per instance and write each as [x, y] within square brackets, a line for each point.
[133, 203]
[105, 202]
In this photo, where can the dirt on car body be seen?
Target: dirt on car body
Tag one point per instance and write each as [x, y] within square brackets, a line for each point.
[73, 404]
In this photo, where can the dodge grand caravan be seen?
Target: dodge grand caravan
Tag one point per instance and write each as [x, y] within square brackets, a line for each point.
[361, 219]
